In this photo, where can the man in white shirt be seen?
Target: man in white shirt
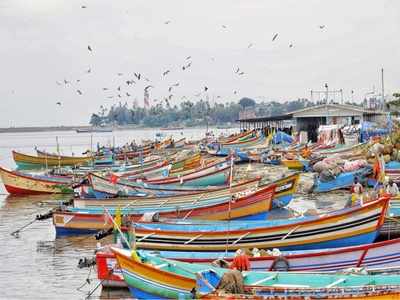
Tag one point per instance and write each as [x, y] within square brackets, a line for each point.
[392, 188]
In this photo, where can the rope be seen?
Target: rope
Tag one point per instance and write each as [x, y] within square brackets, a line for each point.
[16, 232]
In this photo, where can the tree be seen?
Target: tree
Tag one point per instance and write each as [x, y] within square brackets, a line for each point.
[247, 102]
[95, 120]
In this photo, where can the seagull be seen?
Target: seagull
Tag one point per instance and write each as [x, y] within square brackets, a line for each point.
[321, 26]
[148, 80]
[205, 89]
[137, 75]
[291, 46]
[237, 70]
[275, 36]
[58, 83]
[189, 57]
[89, 48]
[105, 89]
[166, 72]
[119, 96]
[167, 22]
[89, 70]
[78, 80]
[170, 89]
[120, 74]
[79, 92]
[83, 6]
[176, 84]
[66, 81]
[223, 26]
[148, 87]
[235, 92]
[250, 45]
[241, 73]
[128, 82]
[58, 103]
[119, 88]
[170, 97]
[127, 94]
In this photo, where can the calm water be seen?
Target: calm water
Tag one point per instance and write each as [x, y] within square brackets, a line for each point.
[35, 265]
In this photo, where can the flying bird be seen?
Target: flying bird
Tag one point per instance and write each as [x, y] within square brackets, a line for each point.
[321, 26]
[128, 95]
[58, 83]
[105, 89]
[89, 70]
[166, 72]
[148, 87]
[119, 96]
[241, 73]
[205, 89]
[137, 75]
[83, 6]
[250, 45]
[119, 88]
[129, 82]
[237, 70]
[58, 103]
[78, 80]
[167, 22]
[66, 81]
[79, 92]
[291, 46]
[89, 48]
[224, 26]
[120, 74]
[235, 92]
[275, 36]
[170, 89]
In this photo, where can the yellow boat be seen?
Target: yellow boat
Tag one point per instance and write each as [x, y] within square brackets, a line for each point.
[25, 161]
[296, 164]
[18, 183]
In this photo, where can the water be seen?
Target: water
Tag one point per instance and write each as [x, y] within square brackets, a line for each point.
[35, 265]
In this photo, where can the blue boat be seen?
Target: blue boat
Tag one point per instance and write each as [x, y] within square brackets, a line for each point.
[342, 181]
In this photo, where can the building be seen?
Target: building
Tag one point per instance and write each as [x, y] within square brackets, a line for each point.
[310, 118]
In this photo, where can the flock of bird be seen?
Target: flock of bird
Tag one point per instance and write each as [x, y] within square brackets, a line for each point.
[139, 77]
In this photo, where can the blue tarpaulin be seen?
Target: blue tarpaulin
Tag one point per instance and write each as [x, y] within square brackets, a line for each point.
[370, 129]
[282, 137]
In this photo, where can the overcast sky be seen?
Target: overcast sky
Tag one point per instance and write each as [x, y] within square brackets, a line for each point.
[44, 41]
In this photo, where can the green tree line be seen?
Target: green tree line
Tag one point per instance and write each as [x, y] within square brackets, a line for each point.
[189, 113]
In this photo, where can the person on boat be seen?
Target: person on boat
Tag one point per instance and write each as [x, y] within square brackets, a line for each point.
[357, 187]
[306, 152]
[241, 261]
[392, 188]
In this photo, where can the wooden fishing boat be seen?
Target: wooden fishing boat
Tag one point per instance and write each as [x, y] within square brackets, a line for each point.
[357, 225]
[296, 164]
[150, 277]
[180, 143]
[18, 183]
[25, 161]
[379, 255]
[133, 154]
[185, 164]
[257, 203]
[285, 187]
[215, 174]
[342, 181]
[100, 187]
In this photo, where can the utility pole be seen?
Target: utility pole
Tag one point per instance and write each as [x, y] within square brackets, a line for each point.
[383, 92]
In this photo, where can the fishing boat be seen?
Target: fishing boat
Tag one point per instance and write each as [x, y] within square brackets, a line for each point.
[18, 183]
[353, 226]
[215, 174]
[188, 163]
[342, 181]
[296, 164]
[25, 161]
[379, 255]
[153, 277]
[255, 205]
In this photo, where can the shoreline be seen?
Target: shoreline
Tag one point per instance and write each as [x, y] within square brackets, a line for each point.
[74, 128]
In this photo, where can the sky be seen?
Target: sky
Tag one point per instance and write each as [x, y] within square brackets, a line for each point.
[44, 42]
